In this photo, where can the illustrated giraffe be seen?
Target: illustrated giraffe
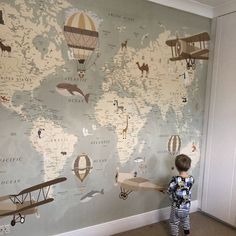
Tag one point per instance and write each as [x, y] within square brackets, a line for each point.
[124, 131]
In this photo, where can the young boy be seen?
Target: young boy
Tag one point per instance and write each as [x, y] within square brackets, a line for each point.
[180, 194]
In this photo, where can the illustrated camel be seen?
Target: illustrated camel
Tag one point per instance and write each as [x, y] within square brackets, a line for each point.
[143, 68]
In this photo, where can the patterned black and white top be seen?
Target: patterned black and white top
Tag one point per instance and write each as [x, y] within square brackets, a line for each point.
[180, 191]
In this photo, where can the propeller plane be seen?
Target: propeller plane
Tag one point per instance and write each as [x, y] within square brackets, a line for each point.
[129, 183]
[27, 201]
[190, 48]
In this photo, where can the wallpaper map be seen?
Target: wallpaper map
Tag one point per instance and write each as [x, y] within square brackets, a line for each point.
[117, 104]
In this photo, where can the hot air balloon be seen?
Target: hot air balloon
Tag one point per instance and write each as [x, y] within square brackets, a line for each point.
[82, 166]
[82, 38]
[174, 145]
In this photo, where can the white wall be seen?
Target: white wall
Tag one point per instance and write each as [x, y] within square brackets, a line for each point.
[219, 184]
[125, 224]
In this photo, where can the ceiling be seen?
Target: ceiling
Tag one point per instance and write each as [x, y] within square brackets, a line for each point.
[206, 8]
[214, 3]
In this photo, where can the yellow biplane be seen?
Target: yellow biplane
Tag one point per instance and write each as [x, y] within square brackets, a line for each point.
[190, 48]
[24, 202]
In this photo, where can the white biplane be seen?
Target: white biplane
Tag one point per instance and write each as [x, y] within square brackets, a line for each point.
[130, 182]
[24, 202]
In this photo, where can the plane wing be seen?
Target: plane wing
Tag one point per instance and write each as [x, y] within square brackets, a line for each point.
[3, 198]
[201, 57]
[199, 54]
[139, 183]
[195, 54]
[178, 58]
[197, 37]
[191, 39]
[22, 209]
[40, 186]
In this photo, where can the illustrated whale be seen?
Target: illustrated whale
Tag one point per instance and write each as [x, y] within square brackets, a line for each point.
[72, 89]
[87, 197]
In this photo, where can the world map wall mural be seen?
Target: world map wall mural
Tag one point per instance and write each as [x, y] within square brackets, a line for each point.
[96, 100]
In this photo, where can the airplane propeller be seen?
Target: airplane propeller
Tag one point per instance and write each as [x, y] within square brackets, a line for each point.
[116, 176]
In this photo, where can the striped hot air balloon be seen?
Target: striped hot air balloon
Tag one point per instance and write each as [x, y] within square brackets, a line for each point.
[82, 38]
[82, 166]
[174, 145]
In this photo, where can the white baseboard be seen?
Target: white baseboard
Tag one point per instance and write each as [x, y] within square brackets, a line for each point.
[125, 224]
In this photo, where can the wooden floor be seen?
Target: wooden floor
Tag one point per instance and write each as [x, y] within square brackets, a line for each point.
[201, 225]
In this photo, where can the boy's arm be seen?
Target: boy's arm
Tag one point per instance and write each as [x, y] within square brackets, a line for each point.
[192, 182]
[172, 186]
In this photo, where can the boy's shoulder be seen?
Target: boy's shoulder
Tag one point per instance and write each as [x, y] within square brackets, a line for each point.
[178, 178]
[173, 178]
[190, 178]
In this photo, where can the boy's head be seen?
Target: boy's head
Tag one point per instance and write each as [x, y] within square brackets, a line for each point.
[182, 162]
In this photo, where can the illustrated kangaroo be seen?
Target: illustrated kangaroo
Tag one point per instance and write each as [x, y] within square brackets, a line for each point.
[143, 68]
[4, 47]
[124, 45]
[115, 103]
[124, 131]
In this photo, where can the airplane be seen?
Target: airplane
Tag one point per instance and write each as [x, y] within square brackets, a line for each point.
[129, 182]
[189, 49]
[24, 202]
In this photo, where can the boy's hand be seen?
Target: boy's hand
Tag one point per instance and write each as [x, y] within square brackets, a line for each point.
[162, 190]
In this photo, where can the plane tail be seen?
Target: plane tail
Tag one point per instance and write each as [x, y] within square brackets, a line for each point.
[86, 97]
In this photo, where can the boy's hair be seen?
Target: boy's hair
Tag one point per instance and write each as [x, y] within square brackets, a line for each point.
[182, 162]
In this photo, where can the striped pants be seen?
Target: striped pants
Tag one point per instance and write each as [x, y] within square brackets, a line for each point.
[177, 216]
